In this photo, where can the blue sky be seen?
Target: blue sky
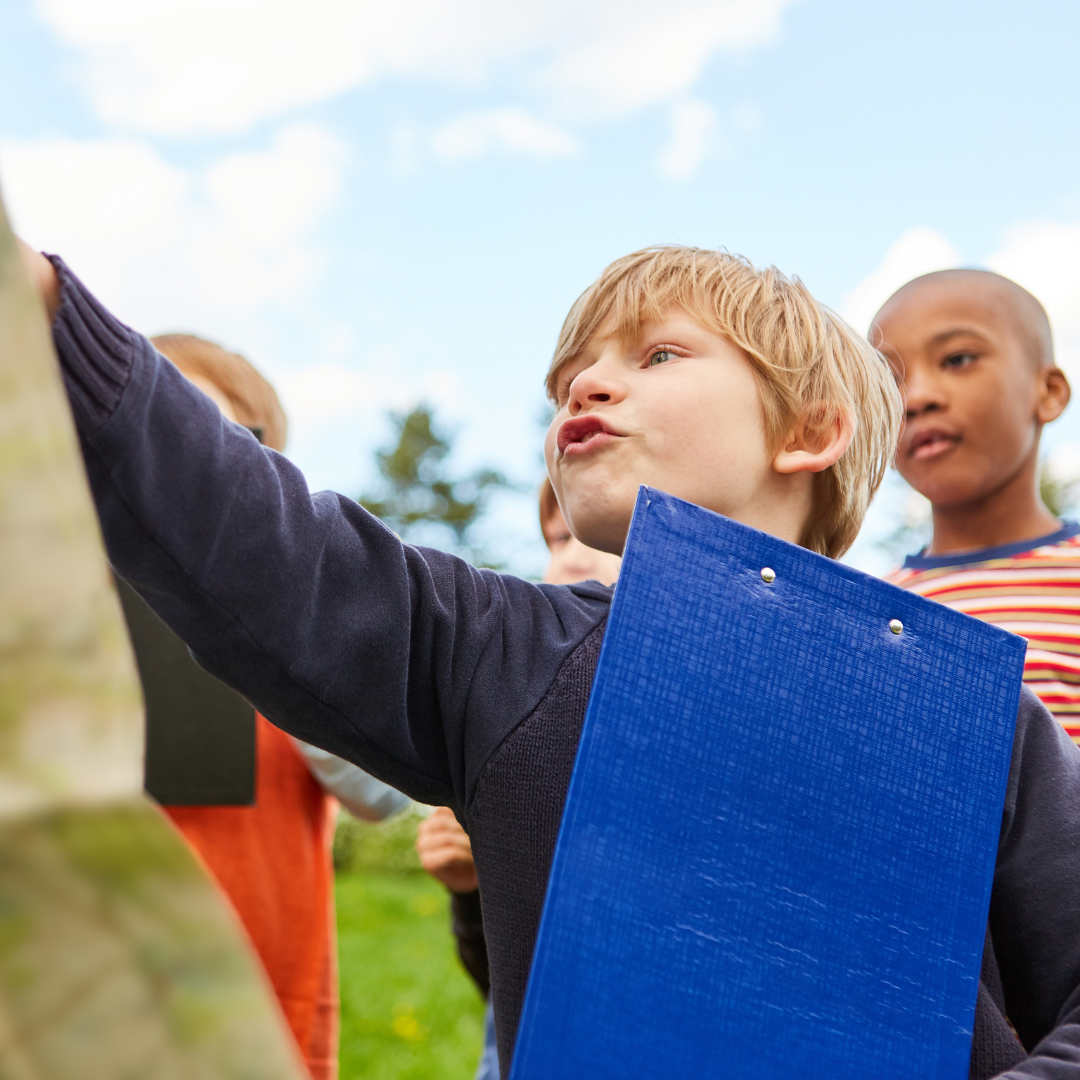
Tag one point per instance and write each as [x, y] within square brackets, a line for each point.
[379, 204]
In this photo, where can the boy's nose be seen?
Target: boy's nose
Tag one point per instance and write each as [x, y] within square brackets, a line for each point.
[593, 386]
[579, 402]
[921, 394]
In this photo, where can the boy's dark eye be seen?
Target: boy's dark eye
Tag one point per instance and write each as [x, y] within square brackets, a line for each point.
[958, 360]
[660, 356]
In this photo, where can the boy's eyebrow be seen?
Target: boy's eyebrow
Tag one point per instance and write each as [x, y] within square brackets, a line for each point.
[960, 331]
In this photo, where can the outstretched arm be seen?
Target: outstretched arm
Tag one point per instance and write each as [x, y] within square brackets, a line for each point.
[408, 662]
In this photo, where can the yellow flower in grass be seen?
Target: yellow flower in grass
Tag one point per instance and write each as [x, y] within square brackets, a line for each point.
[406, 1026]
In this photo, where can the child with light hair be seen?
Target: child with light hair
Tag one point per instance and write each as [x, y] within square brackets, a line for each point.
[686, 370]
[825, 404]
[272, 859]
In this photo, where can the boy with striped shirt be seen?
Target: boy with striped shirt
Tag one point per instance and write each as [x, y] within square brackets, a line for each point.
[975, 355]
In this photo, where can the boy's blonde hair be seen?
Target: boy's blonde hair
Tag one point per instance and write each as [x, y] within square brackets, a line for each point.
[809, 363]
[253, 399]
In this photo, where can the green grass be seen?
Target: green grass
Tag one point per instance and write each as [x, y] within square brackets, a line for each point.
[408, 1009]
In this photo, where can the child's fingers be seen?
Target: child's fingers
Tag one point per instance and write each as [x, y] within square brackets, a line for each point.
[435, 835]
[443, 855]
[457, 875]
[442, 830]
[450, 867]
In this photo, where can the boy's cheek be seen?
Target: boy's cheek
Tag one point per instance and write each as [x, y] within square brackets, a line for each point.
[550, 443]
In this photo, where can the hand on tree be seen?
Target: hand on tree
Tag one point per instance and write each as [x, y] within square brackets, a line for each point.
[43, 275]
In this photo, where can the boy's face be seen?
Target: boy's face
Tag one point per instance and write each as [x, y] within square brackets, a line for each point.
[975, 396]
[676, 408]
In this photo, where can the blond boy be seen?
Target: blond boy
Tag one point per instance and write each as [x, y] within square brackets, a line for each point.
[683, 369]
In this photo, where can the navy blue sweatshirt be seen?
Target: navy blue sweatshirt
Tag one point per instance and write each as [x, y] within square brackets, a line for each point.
[465, 687]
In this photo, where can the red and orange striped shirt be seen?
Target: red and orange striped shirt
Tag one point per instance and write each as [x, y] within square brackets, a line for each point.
[1031, 589]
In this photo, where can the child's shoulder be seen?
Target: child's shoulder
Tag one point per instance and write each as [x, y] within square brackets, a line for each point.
[1046, 562]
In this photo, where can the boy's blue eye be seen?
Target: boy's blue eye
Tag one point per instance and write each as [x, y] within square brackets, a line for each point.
[661, 356]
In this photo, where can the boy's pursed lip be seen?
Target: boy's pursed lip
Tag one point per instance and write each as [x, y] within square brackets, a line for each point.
[583, 434]
[931, 443]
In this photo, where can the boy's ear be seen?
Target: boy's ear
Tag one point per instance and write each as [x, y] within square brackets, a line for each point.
[818, 441]
[1054, 394]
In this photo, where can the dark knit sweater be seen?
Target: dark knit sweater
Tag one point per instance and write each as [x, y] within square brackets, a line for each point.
[467, 923]
[460, 686]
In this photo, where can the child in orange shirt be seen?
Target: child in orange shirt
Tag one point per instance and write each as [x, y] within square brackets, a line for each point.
[272, 859]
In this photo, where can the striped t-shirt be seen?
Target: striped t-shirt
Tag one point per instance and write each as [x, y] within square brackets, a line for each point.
[1031, 589]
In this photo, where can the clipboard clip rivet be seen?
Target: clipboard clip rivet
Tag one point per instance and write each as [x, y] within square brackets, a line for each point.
[768, 575]
[896, 626]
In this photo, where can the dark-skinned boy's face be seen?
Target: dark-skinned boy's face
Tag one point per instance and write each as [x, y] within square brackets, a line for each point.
[975, 399]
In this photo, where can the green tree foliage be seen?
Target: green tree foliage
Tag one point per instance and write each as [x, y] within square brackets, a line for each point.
[384, 846]
[1060, 493]
[419, 498]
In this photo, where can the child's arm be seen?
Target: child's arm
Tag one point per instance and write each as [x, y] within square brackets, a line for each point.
[374, 650]
[359, 792]
[1035, 905]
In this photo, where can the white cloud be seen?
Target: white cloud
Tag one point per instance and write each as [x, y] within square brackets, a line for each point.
[167, 246]
[320, 394]
[337, 411]
[478, 134]
[203, 66]
[615, 57]
[1044, 257]
[918, 251]
[693, 124]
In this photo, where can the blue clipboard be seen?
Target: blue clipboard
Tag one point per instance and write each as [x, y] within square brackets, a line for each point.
[778, 846]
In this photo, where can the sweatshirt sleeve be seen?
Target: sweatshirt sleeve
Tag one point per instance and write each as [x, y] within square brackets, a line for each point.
[1035, 904]
[406, 661]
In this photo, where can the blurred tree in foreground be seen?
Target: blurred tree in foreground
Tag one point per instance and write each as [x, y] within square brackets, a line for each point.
[419, 498]
[118, 956]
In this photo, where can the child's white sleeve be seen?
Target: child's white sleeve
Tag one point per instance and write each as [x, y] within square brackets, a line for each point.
[359, 792]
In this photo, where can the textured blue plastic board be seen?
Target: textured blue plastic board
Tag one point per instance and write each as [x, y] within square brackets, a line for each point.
[778, 846]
